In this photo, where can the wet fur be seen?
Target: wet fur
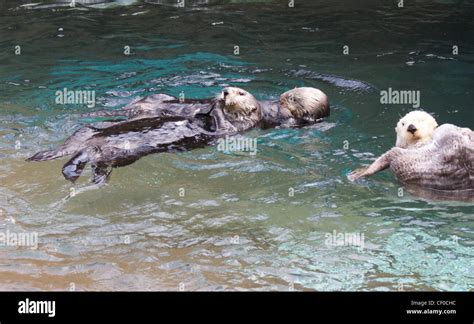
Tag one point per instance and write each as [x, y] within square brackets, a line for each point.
[425, 126]
[296, 107]
[444, 163]
[122, 143]
[159, 123]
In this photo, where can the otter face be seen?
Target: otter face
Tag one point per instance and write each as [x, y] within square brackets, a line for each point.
[415, 127]
[305, 103]
[239, 103]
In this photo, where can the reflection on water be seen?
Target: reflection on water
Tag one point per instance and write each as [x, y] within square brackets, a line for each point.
[205, 220]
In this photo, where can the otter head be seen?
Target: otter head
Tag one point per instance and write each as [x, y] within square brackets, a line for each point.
[414, 128]
[304, 104]
[240, 106]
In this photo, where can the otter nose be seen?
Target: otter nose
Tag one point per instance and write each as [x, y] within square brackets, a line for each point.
[225, 92]
[411, 128]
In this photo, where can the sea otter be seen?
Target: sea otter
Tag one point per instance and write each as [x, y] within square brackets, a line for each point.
[429, 157]
[296, 107]
[123, 143]
[415, 128]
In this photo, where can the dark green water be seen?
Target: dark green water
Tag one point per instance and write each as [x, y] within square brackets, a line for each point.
[236, 227]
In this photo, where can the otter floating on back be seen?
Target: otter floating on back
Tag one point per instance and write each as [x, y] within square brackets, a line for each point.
[296, 107]
[436, 158]
[160, 123]
[120, 144]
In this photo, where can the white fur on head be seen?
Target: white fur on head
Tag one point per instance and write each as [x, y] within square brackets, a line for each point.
[414, 128]
[305, 101]
[238, 102]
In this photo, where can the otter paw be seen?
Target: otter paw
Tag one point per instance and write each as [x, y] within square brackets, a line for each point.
[356, 174]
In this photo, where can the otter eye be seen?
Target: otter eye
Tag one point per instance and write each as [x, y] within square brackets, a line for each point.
[241, 93]
[403, 124]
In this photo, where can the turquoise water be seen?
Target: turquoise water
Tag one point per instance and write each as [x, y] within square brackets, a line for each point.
[245, 222]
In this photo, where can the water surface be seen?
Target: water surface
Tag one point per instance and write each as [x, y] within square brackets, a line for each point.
[238, 225]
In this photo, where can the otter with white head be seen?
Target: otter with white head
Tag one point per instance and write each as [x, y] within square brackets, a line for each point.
[438, 158]
[415, 128]
[236, 103]
[122, 143]
[159, 123]
[296, 107]
[240, 110]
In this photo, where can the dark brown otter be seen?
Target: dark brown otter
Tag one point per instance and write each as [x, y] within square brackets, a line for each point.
[120, 144]
[296, 107]
[161, 123]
